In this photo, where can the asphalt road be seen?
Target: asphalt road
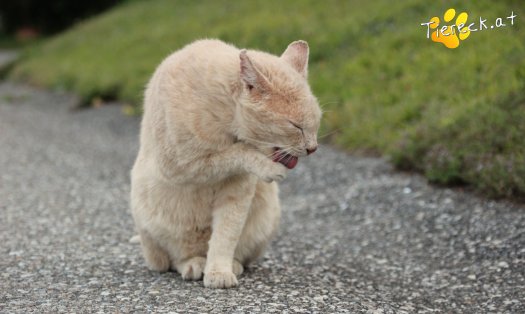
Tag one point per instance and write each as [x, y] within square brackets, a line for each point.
[356, 236]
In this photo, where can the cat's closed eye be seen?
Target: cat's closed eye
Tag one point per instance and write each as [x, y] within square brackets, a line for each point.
[297, 126]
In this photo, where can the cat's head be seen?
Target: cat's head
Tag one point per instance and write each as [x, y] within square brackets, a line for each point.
[277, 110]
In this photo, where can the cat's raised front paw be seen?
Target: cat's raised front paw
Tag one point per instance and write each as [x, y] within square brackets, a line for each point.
[221, 280]
[260, 164]
[273, 172]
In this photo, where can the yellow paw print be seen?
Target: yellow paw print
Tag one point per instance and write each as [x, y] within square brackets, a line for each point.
[449, 36]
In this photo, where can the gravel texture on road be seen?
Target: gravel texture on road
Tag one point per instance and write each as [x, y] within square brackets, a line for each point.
[356, 236]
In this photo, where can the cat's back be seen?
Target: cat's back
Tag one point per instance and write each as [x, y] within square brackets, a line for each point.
[211, 46]
[204, 67]
[202, 55]
[191, 86]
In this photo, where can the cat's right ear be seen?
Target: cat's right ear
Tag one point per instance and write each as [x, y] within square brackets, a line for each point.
[297, 56]
[250, 76]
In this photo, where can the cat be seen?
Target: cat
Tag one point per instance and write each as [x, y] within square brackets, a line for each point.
[220, 127]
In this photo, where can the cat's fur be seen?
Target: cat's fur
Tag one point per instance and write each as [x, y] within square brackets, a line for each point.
[204, 197]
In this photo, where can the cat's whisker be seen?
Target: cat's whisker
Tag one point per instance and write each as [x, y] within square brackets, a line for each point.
[329, 133]
[286, 149]
[273, 155]
[329, 103]
[277, 153]
[280, 158]
[322, 106]
[269, 144]
[288, 158]
[290, 151]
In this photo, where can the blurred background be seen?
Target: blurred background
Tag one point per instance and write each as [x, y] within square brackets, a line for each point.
[455, 115]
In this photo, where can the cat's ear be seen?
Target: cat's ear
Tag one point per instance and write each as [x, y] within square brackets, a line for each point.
[251, 77]
[297, 56]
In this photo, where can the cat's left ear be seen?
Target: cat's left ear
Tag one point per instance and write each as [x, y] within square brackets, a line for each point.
[297, 56]
[253, 79]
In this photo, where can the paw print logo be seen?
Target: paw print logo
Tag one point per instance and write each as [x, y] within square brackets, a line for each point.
[450, 35]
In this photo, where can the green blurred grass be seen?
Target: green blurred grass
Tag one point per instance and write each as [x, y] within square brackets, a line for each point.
[455, 115]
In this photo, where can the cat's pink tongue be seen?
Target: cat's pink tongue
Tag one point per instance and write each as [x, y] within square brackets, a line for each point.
[289, 161]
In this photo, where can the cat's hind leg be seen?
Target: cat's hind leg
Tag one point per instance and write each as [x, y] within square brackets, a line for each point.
[192, 268]
[261, 225]
[156, 257]
[237, 268]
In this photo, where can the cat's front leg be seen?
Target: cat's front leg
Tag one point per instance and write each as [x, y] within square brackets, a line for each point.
[230, 210]
[238, 159]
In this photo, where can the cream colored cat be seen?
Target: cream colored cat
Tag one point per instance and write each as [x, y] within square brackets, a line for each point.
[220, 126]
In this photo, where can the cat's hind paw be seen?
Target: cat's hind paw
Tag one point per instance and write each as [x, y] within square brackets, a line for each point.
[193, 268]
[135, 239]
[237, 268]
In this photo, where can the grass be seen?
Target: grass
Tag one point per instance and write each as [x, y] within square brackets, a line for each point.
[457, 115]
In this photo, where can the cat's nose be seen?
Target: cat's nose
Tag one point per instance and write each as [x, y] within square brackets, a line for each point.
[311, 150]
